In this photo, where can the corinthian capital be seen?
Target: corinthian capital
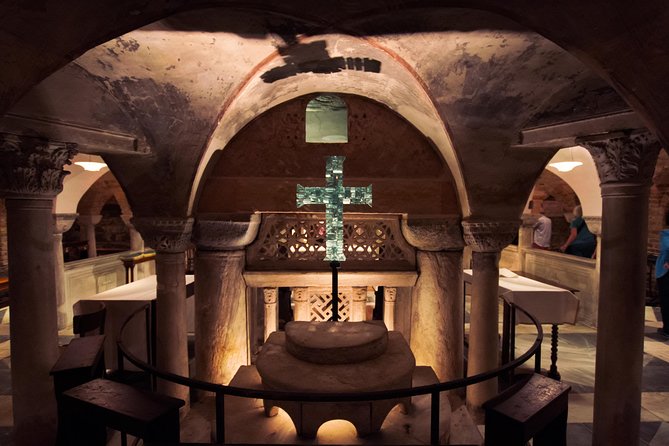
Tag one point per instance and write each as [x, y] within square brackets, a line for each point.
[489, 236]
[623, 157]
[165, 234]
[31, 166]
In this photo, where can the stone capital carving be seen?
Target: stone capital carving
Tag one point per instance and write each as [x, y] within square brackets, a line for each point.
[165, 234]
[623, 157]
[489, 236]
[32, 166]
[270, 295]
[359, 294]
[63, 222]
[594, 224]
[225, 235]
[433, 234]
[389, 294]
[300, 294]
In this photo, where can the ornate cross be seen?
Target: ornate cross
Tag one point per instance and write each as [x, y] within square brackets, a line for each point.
[334, 196]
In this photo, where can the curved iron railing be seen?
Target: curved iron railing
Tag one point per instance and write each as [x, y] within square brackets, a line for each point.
[434, 390]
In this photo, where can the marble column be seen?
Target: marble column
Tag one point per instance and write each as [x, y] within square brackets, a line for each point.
[625, 163]
[170, 237]
[389, 297]
[62, 224]
[301, 310]
[88, 222]
[437, 330]
[358, 304]
[31, 175]
[270, 296]
[221, 326]
[487, 239]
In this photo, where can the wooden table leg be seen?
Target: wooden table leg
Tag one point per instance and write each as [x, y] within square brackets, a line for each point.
[553, 372]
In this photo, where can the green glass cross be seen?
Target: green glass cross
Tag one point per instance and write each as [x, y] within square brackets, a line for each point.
[334, 196]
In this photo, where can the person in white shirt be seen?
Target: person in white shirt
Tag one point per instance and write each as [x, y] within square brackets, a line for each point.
[542, 232]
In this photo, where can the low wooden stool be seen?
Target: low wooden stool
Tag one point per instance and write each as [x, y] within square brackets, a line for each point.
[537, 410]
[89, 408]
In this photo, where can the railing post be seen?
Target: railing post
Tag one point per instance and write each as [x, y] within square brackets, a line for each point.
[220, 417]
[434, 419]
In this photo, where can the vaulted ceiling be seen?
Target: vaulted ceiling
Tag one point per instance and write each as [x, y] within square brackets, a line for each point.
[184, 83]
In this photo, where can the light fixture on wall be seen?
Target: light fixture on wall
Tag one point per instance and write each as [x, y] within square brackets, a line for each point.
[90, 165]
[565, 163]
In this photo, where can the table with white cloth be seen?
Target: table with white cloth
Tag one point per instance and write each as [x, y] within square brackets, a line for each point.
[121, 302]
[550, 304]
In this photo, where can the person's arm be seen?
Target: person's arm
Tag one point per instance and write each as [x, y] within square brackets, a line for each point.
[571, 238]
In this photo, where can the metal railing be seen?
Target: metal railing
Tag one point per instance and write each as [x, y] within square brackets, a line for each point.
[434, 390]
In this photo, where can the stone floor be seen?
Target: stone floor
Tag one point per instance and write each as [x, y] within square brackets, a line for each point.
[576, 364]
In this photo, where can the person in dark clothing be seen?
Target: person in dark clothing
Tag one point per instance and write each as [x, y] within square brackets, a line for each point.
[581, 242]
[661, 270]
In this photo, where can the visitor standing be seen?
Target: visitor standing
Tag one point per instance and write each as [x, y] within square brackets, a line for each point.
[581, 242]
[543, 230]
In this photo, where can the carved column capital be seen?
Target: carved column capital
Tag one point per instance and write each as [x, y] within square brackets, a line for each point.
[300, 294]
[623, 157]
[389, 294]
[32, 166]
[63, 222]
[225, 235]
[270, 295]
[360, 294]
[433, 234]
[165, 234]
[489, 236]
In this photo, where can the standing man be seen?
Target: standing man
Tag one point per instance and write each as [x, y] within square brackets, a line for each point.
[543, 229]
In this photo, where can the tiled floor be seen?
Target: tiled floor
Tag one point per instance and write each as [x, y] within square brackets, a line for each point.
[576, 365]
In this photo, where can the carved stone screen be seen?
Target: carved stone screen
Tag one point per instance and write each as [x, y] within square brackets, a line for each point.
[297, 241]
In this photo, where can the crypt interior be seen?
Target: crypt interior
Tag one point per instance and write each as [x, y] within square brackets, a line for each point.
[210, 116]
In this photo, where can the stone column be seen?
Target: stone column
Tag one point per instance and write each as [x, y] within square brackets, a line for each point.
[625, 163]
[358, 304]
[221, 326]
[170, 237]
[595, 226]
[31, 175]
[389, 297]
[437, 310]
[62, 223]
[487, 239]
[301, 311]
[88, 222]
[525, 237]
[271, 314]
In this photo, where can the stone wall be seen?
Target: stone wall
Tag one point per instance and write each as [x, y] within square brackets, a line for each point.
[658, 202]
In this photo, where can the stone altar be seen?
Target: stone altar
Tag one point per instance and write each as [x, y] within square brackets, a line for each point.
[336, 357]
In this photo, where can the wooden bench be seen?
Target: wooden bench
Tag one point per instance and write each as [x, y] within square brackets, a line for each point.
[536, 408]
[90, 408]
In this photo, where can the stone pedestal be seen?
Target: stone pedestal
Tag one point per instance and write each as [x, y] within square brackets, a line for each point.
[31, 175]
[170, 238]
[487, 239]
[625, 163]
[62, 223]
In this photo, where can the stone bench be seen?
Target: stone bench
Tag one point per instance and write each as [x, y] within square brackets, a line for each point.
[90, 408]
[536, 410]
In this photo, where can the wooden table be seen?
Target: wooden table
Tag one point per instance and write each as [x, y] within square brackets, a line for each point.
[121, 302]
[549, 303]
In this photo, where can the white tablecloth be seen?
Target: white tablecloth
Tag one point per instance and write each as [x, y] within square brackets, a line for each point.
[121, 302]
[549, 304]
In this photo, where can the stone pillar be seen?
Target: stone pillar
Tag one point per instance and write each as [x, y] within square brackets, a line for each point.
[437, 309]
[389, 297]
[62, 223]
[88, 222]
[31, 175]
[170, 237]
[487, 239]
[625, 163]
[595, 226]
[525, 237]
[358, 304]
[221, 326]
[271, 314]
[301, 310]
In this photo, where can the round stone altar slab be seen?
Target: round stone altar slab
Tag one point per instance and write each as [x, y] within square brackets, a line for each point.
[336, 342]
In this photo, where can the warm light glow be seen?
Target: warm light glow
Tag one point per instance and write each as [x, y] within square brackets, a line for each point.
[566, 166]
[91, 166]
